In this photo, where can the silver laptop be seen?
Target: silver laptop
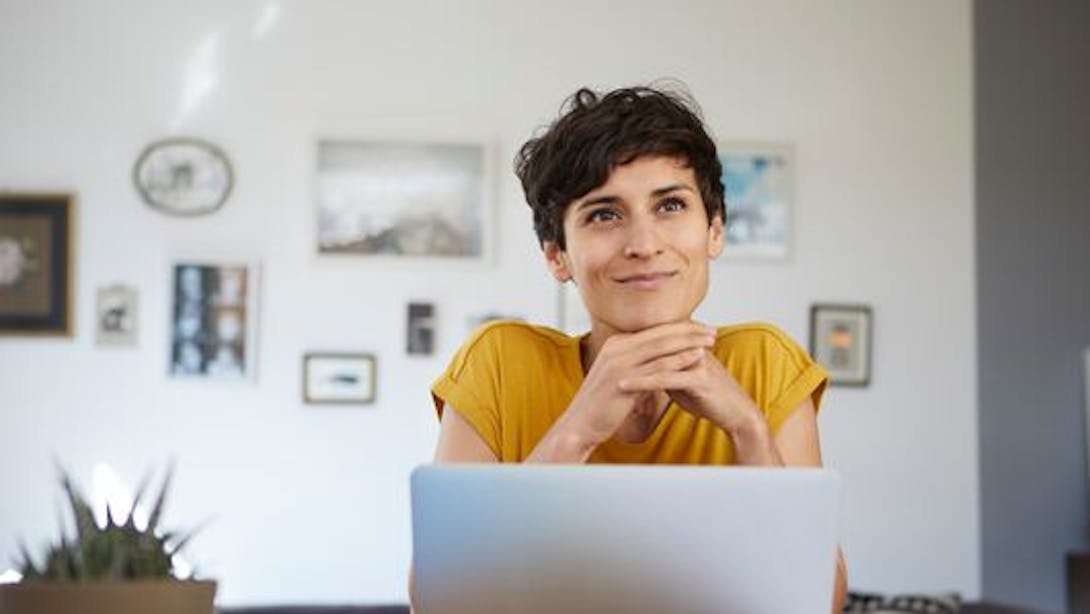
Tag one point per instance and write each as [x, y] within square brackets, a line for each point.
[621, 538]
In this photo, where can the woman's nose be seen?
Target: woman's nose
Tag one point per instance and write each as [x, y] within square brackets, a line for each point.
[643, 240]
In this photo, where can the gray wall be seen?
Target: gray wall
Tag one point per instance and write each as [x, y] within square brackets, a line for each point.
[1033, 249]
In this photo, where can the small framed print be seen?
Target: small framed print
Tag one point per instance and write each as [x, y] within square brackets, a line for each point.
[840, 340]
[338, 378]
[421, 329]
[213, 319]
[116, 316]
[36, 264]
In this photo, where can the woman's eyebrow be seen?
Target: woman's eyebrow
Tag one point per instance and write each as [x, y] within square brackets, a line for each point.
[609, 199]
[605, 199]
[672, 188]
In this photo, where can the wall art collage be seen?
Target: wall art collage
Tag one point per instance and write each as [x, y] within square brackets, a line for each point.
[373, 199]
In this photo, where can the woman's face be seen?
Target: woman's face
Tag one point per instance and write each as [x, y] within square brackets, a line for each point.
[638, 246]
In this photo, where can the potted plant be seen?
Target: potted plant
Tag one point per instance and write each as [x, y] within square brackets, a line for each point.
[118, 568]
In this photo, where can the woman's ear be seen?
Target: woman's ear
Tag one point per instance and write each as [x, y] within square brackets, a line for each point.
[557, 261]
[715, 237]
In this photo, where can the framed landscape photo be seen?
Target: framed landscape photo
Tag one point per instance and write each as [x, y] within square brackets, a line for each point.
[403, 199]
[758, 182]
[213, 318]
[36, 264]
[840, 340]
[338, 378]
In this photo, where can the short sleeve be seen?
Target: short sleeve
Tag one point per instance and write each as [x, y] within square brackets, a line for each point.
[801, 378]
[470, 385]
[776, 372]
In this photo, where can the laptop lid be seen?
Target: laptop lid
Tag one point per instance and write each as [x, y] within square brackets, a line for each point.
[623, 538]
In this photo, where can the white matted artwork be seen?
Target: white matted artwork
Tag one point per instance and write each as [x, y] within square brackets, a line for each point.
[338, 378]
[572, 317]
[213, 319]
[758, 181]
[116, 316]
[403, 199]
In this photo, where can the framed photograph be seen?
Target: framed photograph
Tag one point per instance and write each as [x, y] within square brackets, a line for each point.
[420, 338]
[572, 317]
[758, 179]
[338, 378]
[840, 340]
[213, 319]
[183, 176]
[36, 264]
[403, 199]
[116, 316]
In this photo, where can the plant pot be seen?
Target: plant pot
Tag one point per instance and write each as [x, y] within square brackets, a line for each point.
[135, 597]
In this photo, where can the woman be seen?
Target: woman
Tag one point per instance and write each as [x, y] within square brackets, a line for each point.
[628, 205]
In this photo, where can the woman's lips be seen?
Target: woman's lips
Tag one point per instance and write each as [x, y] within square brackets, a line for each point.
[646, 281]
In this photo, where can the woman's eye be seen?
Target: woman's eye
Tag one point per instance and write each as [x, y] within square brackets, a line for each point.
[602, 215]
[672, 204]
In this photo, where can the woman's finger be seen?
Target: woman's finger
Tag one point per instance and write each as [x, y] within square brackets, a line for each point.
[660, 380]
[660, 341]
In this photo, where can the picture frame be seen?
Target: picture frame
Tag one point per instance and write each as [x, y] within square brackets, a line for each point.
[420, 329]
[183, 176]
[36, 264]
[116, 316]
[339, 378]
[399, 198]
[759, 190]
[213, 319]
[841, 341]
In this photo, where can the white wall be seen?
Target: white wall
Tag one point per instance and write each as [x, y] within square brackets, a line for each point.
[311, 504]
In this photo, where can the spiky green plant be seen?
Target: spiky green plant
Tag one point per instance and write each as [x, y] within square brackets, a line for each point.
[118, 551]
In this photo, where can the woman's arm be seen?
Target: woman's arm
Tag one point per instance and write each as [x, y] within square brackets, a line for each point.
[459, 442]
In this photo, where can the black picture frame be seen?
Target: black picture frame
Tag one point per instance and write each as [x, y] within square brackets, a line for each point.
[36, 264]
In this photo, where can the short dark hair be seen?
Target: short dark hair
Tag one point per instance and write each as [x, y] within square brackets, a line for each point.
[596, 133]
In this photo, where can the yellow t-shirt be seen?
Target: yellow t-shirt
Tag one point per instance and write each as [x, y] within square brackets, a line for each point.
[512, 380]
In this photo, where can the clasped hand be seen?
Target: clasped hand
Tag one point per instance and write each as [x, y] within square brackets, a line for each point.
[674, 358]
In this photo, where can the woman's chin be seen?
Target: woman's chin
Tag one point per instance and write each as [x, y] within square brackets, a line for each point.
[635, 323]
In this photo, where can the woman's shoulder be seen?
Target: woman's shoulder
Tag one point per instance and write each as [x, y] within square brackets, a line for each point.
[758, 337]
[516, 335]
